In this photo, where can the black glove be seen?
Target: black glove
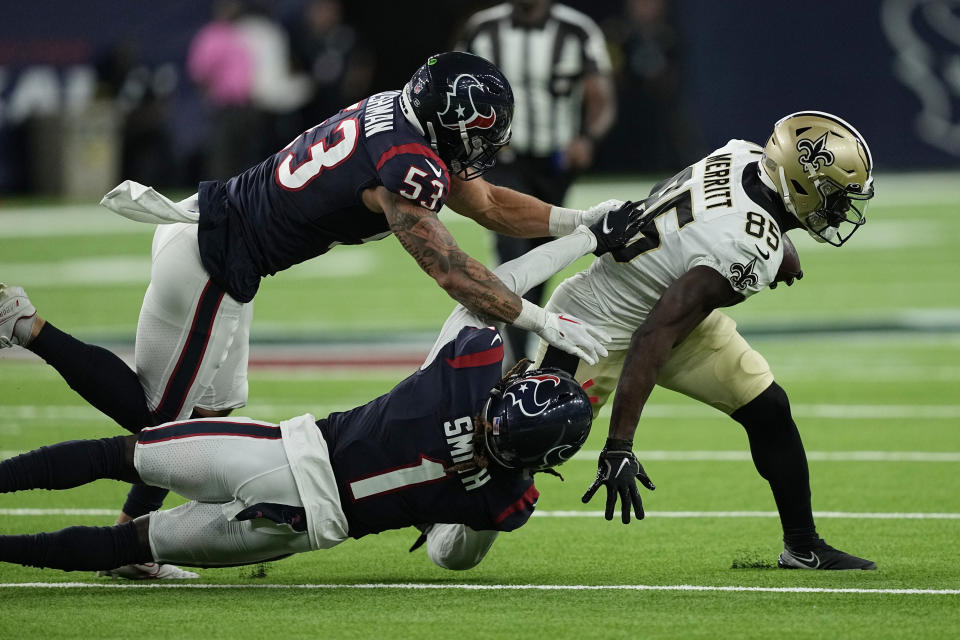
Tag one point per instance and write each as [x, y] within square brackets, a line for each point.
[618, 469]
[788, 281]
[617, 227]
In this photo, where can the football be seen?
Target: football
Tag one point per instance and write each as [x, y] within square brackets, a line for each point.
[790, 265]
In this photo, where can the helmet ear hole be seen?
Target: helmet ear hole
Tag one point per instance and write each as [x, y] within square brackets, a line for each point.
[798, 187]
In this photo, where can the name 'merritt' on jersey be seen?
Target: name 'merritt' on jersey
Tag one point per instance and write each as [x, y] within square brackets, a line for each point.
[460, 436]
[378, 116]
[716, 181]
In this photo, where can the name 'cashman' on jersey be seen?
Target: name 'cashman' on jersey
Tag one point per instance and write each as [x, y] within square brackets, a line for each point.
[379, 114]
[308, 197]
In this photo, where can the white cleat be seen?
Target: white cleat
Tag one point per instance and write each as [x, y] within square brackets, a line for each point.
[16, 316]
[149, 571]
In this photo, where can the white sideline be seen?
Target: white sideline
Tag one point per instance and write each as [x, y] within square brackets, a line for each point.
[584, 513]
[481, 587]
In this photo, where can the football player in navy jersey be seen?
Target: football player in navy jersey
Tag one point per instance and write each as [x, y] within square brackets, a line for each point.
[451, 450]
[383, 166]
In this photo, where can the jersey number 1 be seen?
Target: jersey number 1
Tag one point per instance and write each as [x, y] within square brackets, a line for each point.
[425, 471]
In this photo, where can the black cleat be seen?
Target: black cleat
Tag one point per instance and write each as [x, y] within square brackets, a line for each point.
[821, 556]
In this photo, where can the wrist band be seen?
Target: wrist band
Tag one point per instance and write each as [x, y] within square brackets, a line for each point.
[617, 444]
[531, 318]
[563, 221]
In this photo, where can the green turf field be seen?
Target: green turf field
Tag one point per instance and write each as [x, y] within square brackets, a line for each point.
[867, 345]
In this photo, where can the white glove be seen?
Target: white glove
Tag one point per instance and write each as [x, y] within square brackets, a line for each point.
[564, 221]
[597, 211]
[564, 331]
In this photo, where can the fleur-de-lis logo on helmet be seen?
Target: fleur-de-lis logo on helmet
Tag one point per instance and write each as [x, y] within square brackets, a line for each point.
[814, 153]
[742, 275]
[461, 106]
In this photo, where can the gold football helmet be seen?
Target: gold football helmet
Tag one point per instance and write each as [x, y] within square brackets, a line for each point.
[822, 168]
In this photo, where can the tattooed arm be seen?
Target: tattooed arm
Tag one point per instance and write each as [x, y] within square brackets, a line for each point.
[472, 284]
[429, 242]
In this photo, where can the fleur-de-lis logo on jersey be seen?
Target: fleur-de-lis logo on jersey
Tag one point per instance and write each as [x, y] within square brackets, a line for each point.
[461, 108]
[523, 393]
[742, 275]
[814, 153]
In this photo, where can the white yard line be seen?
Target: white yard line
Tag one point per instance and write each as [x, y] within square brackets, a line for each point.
[832, 411]
[117, 270]
[58, 512]
[814, 456]
[849, 515]
[480, 587]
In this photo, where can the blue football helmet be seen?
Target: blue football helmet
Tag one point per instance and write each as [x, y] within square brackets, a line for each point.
[464, 106]
[537, 419]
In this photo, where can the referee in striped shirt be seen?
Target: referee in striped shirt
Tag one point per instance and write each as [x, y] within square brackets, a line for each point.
[557, 63]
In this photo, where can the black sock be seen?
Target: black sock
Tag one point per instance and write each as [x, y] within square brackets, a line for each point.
[779, 457]
[142, 499]
[66, 465]
[98, 375]
[78, 548]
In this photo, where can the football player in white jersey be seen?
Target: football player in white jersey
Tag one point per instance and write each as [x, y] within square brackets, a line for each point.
[712, 236]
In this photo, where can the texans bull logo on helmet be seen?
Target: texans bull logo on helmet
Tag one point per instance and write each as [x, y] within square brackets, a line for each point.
[461, 107]
[523, 394]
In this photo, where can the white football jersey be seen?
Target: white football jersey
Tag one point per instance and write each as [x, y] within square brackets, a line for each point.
[701, 216]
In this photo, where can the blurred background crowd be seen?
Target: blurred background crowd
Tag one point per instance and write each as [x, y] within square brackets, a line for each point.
[174, 92]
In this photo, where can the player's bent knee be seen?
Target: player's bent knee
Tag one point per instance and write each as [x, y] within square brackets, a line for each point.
[773, 400]
[770, 407]
[458, 547]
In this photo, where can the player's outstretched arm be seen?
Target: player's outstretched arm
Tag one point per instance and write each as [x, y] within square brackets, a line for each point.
[682, 307]
[477, 289]
[517, 214]
[535, 266]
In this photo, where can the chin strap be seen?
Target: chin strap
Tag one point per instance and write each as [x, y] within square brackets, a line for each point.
[785, 192]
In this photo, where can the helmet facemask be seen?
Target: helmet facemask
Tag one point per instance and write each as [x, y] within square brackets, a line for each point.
[841, 213]
[470, 156]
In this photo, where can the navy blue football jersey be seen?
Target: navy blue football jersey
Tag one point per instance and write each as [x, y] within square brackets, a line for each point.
[392, 457]
[305, 199]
